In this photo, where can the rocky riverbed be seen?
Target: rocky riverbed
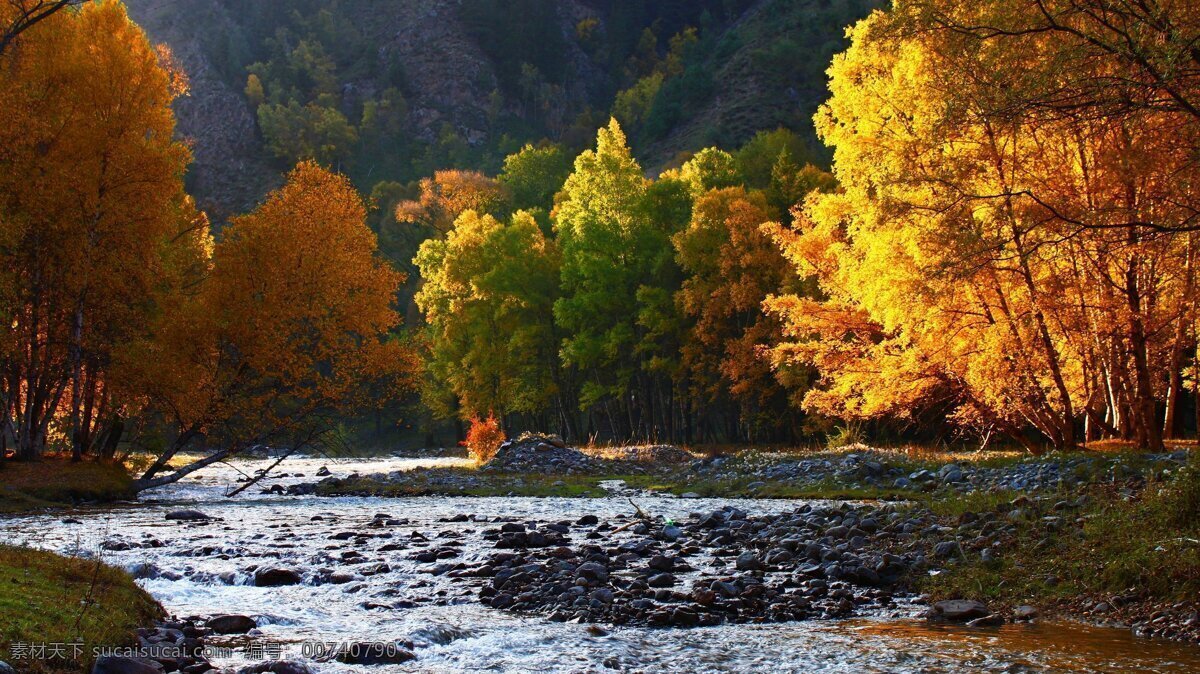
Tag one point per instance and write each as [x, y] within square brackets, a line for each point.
[363, 584]
[540, 463]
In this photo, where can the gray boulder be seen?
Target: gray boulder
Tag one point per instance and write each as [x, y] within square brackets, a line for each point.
[748, 562]
[231, 624]
[276, 577]
[114, 664]
[187, 516]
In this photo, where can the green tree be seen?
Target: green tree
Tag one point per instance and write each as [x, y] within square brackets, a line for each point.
[612, 248]
[487, 298]
[710, 168]
[295, 132]
[535, 174]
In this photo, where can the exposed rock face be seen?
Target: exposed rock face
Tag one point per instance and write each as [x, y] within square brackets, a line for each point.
[229, 173]
[448, 81]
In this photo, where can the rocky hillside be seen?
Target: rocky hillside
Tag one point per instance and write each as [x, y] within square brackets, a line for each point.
[463, 83]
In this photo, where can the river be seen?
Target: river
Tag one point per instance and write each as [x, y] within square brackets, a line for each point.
[201, 569]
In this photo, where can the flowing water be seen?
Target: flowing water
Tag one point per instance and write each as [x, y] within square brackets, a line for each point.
[201, 569]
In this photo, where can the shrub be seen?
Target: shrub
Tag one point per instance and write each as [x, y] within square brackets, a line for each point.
[484, 438]
[843, 436]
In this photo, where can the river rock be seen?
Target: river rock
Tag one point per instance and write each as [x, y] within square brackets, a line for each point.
[187, 516]
[592, 572]
[114, 664]
[748, 562]
[945, 549]
[535, 453]
[231, 624]
[1025, 613]
[661, 563]
[276, 577]
[662, 580]
[959, 610]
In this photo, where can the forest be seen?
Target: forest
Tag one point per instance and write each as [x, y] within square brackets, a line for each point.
[996, 251]
[367, 336]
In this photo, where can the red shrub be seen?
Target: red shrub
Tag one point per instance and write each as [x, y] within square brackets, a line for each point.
[484, 438]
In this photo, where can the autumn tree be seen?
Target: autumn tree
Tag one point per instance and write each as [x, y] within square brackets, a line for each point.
[290, 325]
[18, 16]
[1016, 256]
[449, 194]
[732, 265]
[91, 202]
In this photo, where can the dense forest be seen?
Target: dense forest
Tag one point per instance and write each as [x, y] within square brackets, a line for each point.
[1002, 246]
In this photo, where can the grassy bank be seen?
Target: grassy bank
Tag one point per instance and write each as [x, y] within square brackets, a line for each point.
[54, 482]
[51, 599]
[1115, 553]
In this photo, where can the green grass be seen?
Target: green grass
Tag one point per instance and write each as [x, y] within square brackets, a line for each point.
[53, 482]
[1108, 546]
[48, 598]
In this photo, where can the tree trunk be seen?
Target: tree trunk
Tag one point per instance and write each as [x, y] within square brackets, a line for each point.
[144, 483]
[76, 357]
[1147, 428]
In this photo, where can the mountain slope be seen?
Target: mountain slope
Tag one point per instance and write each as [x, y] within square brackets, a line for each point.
[389, 90]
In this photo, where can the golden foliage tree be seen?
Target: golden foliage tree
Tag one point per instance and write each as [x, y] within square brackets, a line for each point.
[291, 324]
[91, 202]
[1022, 257]
[449, 194]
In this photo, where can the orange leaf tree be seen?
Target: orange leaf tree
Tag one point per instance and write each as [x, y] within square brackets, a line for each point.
[91, 206]
[290, 326]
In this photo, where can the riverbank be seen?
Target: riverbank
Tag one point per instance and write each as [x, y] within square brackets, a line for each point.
[54, 610]
[53, 482]
[1123, 554]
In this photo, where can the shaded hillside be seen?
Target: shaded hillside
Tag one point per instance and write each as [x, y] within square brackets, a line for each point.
[393, 90]
[768, 70]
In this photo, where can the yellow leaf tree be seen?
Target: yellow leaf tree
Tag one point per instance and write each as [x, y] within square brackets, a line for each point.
[1025, 260]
